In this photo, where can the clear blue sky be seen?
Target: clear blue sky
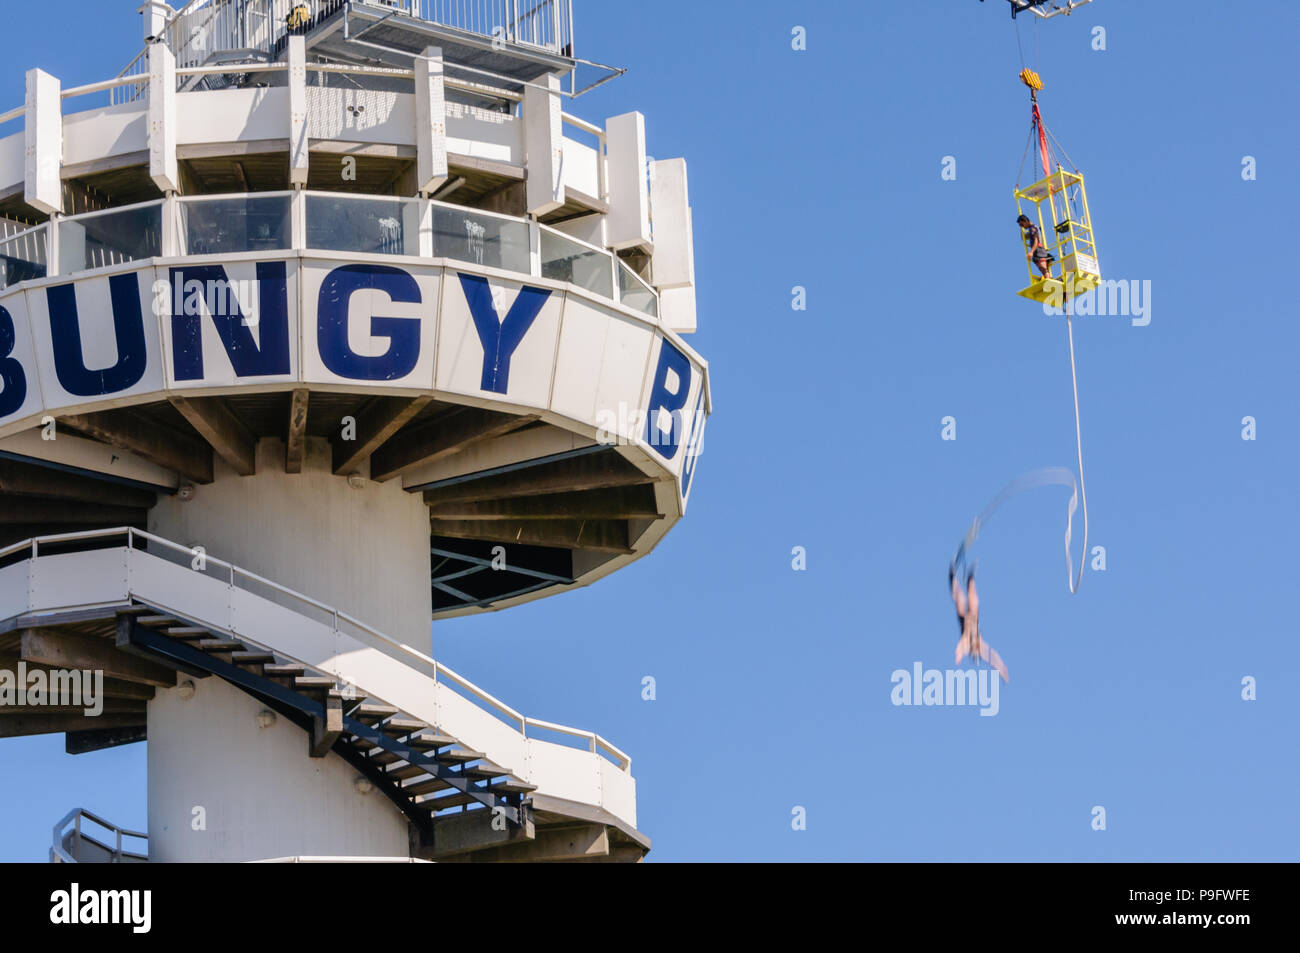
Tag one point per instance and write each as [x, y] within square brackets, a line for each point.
[822, 169]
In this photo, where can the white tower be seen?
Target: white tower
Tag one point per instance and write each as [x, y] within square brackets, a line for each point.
[332, 320]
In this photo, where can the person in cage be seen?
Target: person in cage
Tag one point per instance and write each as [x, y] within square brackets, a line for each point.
[1038, 255]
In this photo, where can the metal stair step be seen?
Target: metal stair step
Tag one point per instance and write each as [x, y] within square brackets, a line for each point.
[370, 713]
[426, 786]
[153, 621]
[512, 786]
[459, 756]
[404, 726]
[186, 633]
[313, 683]
[485, 771]
[430, 742]
[403, 770]
[283, 671]
[221, 645]
[458, 799]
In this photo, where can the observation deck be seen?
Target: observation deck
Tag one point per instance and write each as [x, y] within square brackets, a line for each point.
[558, 452]
[342, 293]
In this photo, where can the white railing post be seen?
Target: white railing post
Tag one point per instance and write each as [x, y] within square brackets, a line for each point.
[52, 244]
[298, 219]
[535, 248]
[171, 220]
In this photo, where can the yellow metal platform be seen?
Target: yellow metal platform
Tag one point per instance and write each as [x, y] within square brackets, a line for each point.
[1055, 290]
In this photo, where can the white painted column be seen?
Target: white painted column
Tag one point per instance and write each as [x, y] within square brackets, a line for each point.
[430, 122]
[363, 549]
[629, 186]
[43, 168]
[298, 141]
[544, 144]
[224, 788]
[674, 244]
[162, 118]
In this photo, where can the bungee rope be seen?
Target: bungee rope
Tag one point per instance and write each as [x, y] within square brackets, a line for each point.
[1049, 476]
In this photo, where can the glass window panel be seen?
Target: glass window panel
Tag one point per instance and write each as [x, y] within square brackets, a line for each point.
[237, 224]
[565, 260]
[110, 239]
[341, 223]
[635, 293]
[481, 239]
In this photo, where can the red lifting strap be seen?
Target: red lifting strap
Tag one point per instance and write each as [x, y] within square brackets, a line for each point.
[1042, 140]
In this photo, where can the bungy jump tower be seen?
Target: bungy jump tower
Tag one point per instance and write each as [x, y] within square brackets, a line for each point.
[331, 320]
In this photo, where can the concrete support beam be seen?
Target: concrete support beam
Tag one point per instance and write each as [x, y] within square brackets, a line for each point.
[113, 688]
[295, 444]
[25, 479]
[441, 439]
[18, 726]
[544, 144]
[377, 424]
[580, 842]
[461, 833]
[223, 431]
[591, 472]
[190, 458]
[66, 513]
[163, 168]
[43, 168]
[430, 122]
[63, 650]
[83, 742]
[107, 707]
[600, 536]
[629, 186]
[298, 141]
[620, 503]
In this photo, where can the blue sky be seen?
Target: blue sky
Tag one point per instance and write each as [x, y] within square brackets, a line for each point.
[821, 169]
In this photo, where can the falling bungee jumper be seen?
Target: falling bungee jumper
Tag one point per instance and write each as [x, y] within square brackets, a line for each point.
[1061, 253]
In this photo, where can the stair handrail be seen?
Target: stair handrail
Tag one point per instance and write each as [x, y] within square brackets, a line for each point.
[60, 855]
[595, 743]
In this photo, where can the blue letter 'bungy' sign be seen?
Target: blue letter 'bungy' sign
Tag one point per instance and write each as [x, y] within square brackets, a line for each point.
[13, 382]
[403, 334]
[500, 339]
[246, 357]
[65, 335]
[672, 362]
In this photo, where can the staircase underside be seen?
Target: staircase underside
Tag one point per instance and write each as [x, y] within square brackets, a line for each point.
[448, 792]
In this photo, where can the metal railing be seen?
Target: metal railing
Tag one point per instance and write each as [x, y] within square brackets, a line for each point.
[298, 602]
[236, 223]
[205, 31]
[61, 853]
